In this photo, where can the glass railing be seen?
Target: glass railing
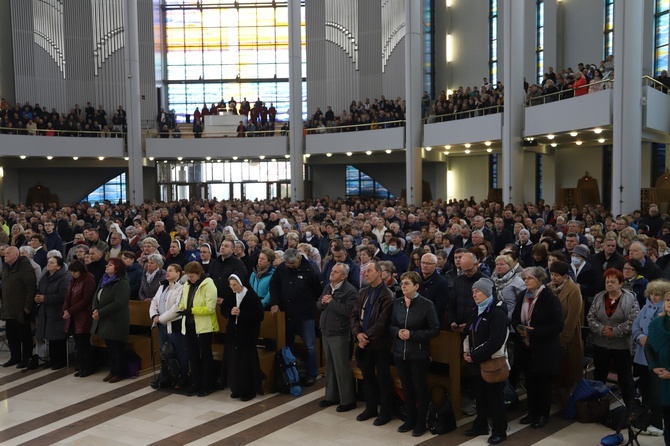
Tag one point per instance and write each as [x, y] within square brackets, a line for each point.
[464, 114]
[605, 84]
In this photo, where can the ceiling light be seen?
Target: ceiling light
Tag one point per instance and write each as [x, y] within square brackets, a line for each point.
[287, 156]
[262, 157]
[22, 157]
[50, 157]
[553, 144]
[573, 134]
[126, 158]
[101, 158]
[151, 158]
[329, 155]
[74, 157]
[274, 160]
[164, 161]
[601, 140]
[468, 145]
[349, 153]
[489, 150]
[389, 151]
[487, 143]
[234, 158]
[550, 137]
[208, 158]
[467, 152]
[447, 147]
[218, 161]
[579, 143]
[428, 149]
[369, 152]
[446, 153]
[307, 155]
[179, 158]
[246, 160]
[597, 130]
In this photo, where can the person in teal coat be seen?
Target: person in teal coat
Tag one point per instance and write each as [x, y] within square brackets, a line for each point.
[260, 278]
[111, 316]
[657, 351]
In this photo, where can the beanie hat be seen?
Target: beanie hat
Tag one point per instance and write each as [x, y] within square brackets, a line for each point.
[484, 285]
[581, 251]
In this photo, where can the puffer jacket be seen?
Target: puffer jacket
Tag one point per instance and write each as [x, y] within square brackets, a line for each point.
[261, 285]
[169, 317]
[336, 315]
[420, 318]
[204, 307]
[460, 301]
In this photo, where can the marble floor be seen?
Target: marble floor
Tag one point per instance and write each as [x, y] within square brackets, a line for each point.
[44, 407]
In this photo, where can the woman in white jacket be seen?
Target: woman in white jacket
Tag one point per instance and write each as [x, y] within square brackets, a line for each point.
[163, 312]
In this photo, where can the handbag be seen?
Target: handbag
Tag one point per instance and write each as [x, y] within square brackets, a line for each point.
[594, 411]
[494, 370]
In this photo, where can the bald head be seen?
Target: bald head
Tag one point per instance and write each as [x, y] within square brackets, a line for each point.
[11, 254]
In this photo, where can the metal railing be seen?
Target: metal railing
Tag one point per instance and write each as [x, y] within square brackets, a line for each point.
[651, 82]
[156, 134]
[354, 127]
[61, 133]
[464, 114]
[605, 84]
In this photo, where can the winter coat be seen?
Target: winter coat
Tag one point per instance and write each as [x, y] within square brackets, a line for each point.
[296, 290]
[621, 321]
[460, 301]
[436, 289]
[19, 286]
[169, 317]
[420, 318]
[641, 328]
[49, 322]
[204, 307]
[148, 290]
[572, 305]
[657, 352]
[134, 274]
[113, 310]
[378, 326]
[261, 285]
[243, 330]
[336, 315]
[485, 335]
[221, 269]
[78, 301]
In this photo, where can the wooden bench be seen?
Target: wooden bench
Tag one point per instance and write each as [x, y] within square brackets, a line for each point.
[272, 334]
[143, 339]
[444, 349]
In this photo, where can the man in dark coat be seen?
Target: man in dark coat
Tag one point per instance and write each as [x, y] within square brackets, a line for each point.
[19, 286]
[221, 268]
[501, 236]
[340, 256]
[607, 258]
[649, 270]
[294, 288]
[98, 263]
[162, 237]
[460, 302]
[434, 286]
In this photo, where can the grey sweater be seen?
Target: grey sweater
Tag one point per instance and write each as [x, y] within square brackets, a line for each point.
[621, 321]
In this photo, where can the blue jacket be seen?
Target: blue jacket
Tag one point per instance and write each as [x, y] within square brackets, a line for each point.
[641, 328]
[261, 285]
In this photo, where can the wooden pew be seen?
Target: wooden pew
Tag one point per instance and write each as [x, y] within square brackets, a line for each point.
[444, 349]
[143, 339]
[272, 334]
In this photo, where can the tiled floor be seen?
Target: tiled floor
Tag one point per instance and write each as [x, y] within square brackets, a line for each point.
[46, 407]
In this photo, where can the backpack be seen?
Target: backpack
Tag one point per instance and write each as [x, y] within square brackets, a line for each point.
[287, 378]
[441, 418]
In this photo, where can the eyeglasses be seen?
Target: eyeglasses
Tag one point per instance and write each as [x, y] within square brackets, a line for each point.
[406, 283]
[628, 268]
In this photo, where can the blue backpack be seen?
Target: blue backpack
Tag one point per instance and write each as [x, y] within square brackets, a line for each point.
[287, 378]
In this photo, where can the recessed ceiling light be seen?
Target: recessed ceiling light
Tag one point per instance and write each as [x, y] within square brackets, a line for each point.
[553, 144]
[180, 158]
[151, 158]
[447, 147]
[75, 158]
[467, 152]
[489, 150]
[573, 134]
[428, 149]
[579, 143]
[487, 143]
[274, 160]
[22, 157]
[101, 158]
[446, 153]
[126, 158]
[349, 153]
[550, 137]
[287, 156]
[50, 157]
[389, 151]
[468, 145]
[246, 160]
[369, 152]
[597, 130]
[307, 155]
[208, 158]
[234, 158]
[262, 157]
[164, 161]
[601, 140]
[329, 155]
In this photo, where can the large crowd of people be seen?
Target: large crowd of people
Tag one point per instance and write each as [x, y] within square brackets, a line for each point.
[382, 274]
[29, 119]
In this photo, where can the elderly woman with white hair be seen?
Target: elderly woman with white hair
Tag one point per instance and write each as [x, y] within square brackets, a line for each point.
[29, 252]
[154, 274]
[244, 312]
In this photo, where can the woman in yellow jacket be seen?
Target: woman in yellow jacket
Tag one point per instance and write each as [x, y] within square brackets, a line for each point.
[198, 306]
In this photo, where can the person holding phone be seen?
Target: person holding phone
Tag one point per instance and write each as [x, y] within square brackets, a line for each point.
[538, 318]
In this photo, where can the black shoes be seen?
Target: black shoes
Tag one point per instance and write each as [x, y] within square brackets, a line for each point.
[309, 381]
[528, 419]
[326, 403]
[540, 422]
[405, 427]
[418, 431]
[366, 415]
[497, 439]
[11, 362]
[192, 391]
[23, 364]
[247, 397]
[382, 420]
[474, 432]
[346, 407]
[204, 392]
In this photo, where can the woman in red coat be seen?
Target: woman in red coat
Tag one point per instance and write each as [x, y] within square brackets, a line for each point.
[77, 315]
[579, 85]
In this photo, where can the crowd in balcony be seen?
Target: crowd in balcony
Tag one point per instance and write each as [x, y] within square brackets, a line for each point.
[378, 114]
[29, 119]
[260, 119]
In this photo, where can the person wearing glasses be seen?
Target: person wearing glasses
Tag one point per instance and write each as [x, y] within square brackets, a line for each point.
[205, 251]
[414, 322]
[634, 281]
[610, 320]
[434, 287]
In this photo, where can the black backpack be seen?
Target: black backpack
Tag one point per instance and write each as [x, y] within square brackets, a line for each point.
[287, 378]
[441, 418]
[170, 370]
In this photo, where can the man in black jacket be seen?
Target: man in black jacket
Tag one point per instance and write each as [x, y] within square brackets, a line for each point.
[460, 301]
[294, 288]
[607, 258]
[337, 301]
[501, 236]
[221, 268]
[434, 287]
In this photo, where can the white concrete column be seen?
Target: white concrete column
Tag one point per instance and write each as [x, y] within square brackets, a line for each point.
[295, 100]
[627, 94]
[413, 93]
[131, 61]
[512, 130]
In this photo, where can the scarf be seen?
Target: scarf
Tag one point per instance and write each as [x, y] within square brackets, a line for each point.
[106, 279]
[483, 305]
[557, 288]
[528, 304]
[502, 282]
[150, 276]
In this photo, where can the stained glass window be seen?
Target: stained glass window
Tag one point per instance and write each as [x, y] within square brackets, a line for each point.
[609, 28]
[493, 42]
[113, 191]
[361, 185]
[539, 50]
[661, 40]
